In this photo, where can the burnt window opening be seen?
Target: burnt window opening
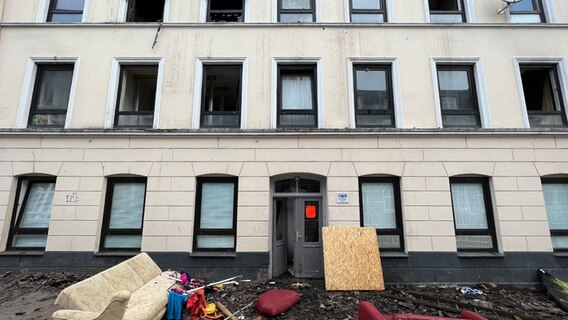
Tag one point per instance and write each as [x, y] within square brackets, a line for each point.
[137, 96]
[226, 11]
[145, 11]
[221, 106]
[543, 96]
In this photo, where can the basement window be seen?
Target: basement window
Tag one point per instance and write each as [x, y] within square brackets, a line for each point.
[543, 96]
[145, 11]
[137, 96]
[226, 11]
[221, 107]
[446, 11]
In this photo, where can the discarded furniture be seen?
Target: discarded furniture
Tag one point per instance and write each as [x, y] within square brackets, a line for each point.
[274, 302]
[555, 288]
[368, 312]
[131, 290]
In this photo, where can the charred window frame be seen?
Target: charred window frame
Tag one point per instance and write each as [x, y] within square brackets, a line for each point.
[389, 233]
[216, 233]
[226, 11]
[51, 95]
[297, 116]
[66, 11]
[370, 117]
[306, 13]
[145, 11]
[472, 238]
[543, 95]
[556, 202]
[137, 90]
[447, 11]
[123, 235]
[527, 11]
[459, 105]
[22, 222]
[215, 113]
[359, 14]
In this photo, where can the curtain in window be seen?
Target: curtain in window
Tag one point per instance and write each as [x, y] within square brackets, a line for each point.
[54, 89]
[556, 201]
[297, 92]
[37, 212]
[127, 205]
[469, 206]
[378, 205]
[217, 200]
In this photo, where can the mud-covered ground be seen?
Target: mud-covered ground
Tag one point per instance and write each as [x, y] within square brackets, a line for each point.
[31, 296]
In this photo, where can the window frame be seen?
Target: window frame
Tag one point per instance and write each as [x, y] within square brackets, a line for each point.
[53, 10]
[540, 11]
[473, 88]
[197, 231]
[106, 230]
[390, 88]
[311, 11]
[399, 231]
[382, 11]
[209, 11]
[14, 223]
[462, 12]
[556, 232]
[202, 112]
[487, 200]
[297, 68]
[126, 6]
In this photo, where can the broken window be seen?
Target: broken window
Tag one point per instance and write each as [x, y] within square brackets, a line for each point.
[373, 96]
[297, 96]
[216, 214]
[446, 11]
[221, 106]
[296, 11]
[66, 11]
[368, 11]
[556, 202]
[381, 208]
[32, 213]
[123, 214]
[527, 11]
[137, 96]
[543, 96]
[458, 97]
[51, 96]
[473, 214]
[145, 11]
[226, 11]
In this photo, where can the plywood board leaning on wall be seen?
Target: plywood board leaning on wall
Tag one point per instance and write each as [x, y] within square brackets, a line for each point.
[351, 259]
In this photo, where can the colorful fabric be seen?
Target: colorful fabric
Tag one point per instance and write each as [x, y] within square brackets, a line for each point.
[175, 305]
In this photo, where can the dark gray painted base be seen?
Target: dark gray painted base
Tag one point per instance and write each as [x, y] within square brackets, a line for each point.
[417, 267]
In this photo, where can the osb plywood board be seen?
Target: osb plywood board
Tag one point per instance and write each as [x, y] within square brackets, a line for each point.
[351, 259]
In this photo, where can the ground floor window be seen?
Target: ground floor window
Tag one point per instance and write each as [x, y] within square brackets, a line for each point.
[556, 202]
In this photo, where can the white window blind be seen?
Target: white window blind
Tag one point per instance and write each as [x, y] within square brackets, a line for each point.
[378, 205]
[556, 201]
[217, 201]
[297, 92]
[127, 205]
[469, 206]
[37, 212]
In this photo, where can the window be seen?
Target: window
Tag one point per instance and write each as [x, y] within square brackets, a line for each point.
[124, 214]
[297, 96]
[51, 95]
[527, 11]
[368, 11]
[543, 96]
[473, 214]
[137, 96]
[458, 97]
[446, 11]
[296, 11]
[226, 11]
[380, 207]
[556, 202]
[66, 11]
[373, 96]
[216, 214]
[145, 11]
[32, 213]
[221, 103]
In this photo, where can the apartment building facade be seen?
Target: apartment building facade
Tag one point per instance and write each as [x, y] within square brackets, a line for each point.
[220, 136]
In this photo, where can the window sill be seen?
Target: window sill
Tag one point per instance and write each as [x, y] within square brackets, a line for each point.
[480, 255]
[392, 254]
[22, 253]
[213, 255]
[116, 253]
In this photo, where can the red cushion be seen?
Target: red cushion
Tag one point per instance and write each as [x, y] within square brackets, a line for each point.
[367, 311]
[274, 302]
[470, 315]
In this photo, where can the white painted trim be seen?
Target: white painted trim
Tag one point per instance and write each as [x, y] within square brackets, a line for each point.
[122, 8]
[198, 86]
[166, 15]
[274, 11]
[114, 81]
[319, 80]
[318, 11]
[347, 11]
[395, 82]
[469, 11]
[203, 11]
[247, 7]
[85, 11]
[42, 11]
[26, 95]
[426, 11]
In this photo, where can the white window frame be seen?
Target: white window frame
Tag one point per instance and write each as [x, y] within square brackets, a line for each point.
[114, 82]
[562, 72]
[396, 91]
[29, 84]
[198, 86]
[317, 11]
[482, 100]
[203, 11]
[274, 87]
[43, 10]
[549, 16]
[123, 8]
[468, 7]
[389, 11]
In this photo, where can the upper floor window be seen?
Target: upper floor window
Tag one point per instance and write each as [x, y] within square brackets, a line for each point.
[543, 97]
[51, 95]
[527, 11]
[556, 202]
[368, 11]
[373, 96]
[221, 105]
[226, 11]
[446, 11]
[66, 11]
[296, 11]
[32, 213]
[458, 97]
[297, 96]
[145, 11]
[137, 96]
